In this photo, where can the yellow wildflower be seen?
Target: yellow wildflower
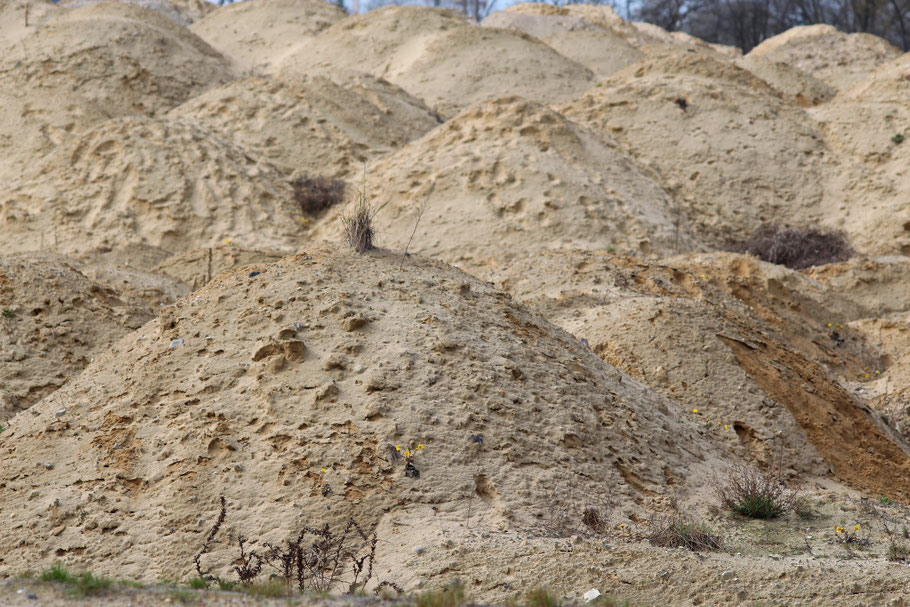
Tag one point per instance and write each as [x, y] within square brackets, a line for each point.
[694, 410]
[324, 470]
[397, 447]
[838, 529]
[829, 324]
[856, 527]
[725, 426]
[407, 454]
[420, 445]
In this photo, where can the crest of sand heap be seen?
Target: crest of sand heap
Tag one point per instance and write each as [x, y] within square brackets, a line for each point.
[286, 387]
[708, 128]
[867, 126]
[835, 58]
[120, 57]
[153, 182]
[54, 321]
[507, 177]
[879, 285]
[708, 333]
[601, 50]
[183, 12]
[440, 58]
[258, 34]
[792, 83]
[312, 125]
[13, 24]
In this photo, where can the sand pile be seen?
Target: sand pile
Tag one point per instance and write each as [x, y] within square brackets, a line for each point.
[878, 285]
[120, 57]
[253, 385]
[866, 125]
[794, 84]
[54, 321]
[313, 126]
[708, 128]
[149, 182]
[183, 12]
[709, 333]
[13, 26]
[437, 56]
[257, 34]
[507, 177]
[835, 58]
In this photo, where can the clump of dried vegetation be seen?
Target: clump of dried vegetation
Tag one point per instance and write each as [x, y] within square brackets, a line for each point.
[796, 248]
[754, 494]
[358, 226]
[315, 195]
[680, 531]
[315, 560]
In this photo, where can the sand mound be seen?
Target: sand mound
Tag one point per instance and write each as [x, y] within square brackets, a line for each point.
[313, 126]
[55, 320]
[507, 177]
[326, 360]
[438, 57]
[149, 182]
[878, 285]
[539, 26]
[866, 125]
[793, 84]
[708, 128]
[833, 57]
[119, 57]
[183, 12]
[601, 51]
[199, 266]
[709, 335]
[13, 27]
[257, 34]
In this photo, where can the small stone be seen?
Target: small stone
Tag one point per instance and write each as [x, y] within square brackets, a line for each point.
[175, 343]
[60, 412]
[726, 576]
[252, 274]
[590, 595]
[419, 550]
[238, 467]
[31, 595]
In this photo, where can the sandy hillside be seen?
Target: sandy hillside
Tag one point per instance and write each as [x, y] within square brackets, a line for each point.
[257, 34]
[866, 125]
[794, 84]
[326, 360]
[117, 56]
[540, 182]
[836, 58]
[707, 127]
[183, 12]
[151, 182]
[440, 58]
[55, 320]
[312, 126]
[720, 334]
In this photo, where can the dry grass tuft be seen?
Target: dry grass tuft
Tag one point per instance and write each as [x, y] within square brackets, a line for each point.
[358, 227]
[796, 248]
[317, 194]
[682, 532]
[755, 494]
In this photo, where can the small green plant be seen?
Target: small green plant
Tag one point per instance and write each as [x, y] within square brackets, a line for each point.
[57, 573]
[227, 585]
[8, 313]
[198, 583]
[754, 494]
[541, 597]
[897, 549]
[2, 429]
[182, 595]
[897, 138]
[682, 532]
[272, 589]
[885, 501]
[453, 596]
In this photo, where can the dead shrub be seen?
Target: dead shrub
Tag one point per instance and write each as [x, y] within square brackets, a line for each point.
[682, 532]
[317, 194]
[754, 494]
[358, 227]
[796, 248]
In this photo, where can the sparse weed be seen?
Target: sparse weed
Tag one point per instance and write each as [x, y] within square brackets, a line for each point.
[453, 596]
[57, 573]
[754, 494]
[897, 138]
[683, 532]
[198, 583]
[8, 313]
[358, 227]
[271, 589]
[541, 597]
[182, 595]
[796, 248]
[82, 585]
[850, 536]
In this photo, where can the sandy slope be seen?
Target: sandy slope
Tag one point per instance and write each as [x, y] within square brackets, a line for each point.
[257, 34]
[312, 126]
[326, 360]
[507, 177]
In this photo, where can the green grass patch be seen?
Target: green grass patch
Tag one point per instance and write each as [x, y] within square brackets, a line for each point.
[453, 596]
[198, 583]
[541, 597]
